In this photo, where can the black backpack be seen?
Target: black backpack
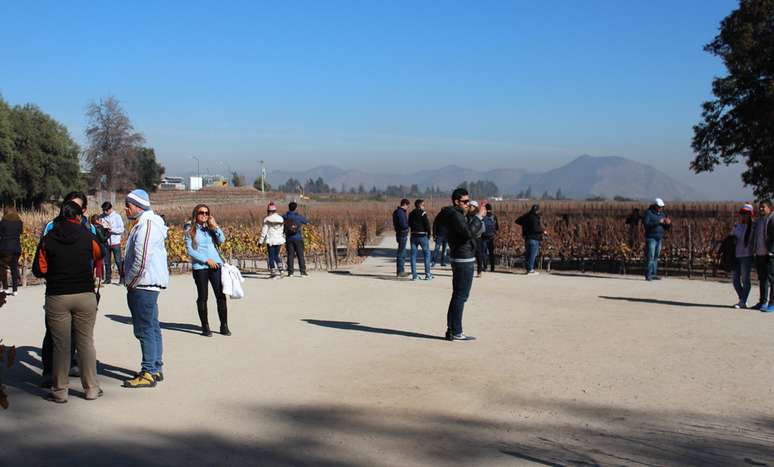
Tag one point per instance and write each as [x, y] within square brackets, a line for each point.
[727, 253]
[291, 227]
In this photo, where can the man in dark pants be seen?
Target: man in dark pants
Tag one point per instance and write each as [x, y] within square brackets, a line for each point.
[761, 253]
[462, 231]
[113, 222]
[491, 226]
[294, 238]
[401, 225]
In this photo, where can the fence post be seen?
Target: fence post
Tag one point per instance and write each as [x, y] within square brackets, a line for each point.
[690, 250]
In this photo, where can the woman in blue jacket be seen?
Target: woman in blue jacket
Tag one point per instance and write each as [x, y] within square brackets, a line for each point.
[202, 239]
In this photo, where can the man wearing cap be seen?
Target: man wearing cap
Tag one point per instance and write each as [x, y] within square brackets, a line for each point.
[112, 221]
[145, 274]
[656, 224]
[402, 229]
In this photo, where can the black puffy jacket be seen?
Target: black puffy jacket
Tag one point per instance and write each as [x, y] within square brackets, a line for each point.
[461, 232]
[531, 228]
[419, 223]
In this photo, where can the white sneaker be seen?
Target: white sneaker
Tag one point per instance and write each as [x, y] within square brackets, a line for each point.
[8, 291]
[533, 273]
[740, 306]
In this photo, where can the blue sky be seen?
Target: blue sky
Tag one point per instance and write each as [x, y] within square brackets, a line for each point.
[379, 86]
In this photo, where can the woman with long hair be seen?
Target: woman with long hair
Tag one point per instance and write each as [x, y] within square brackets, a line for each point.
[743, 233]
[11, 228]
[273, 235]
[202, 239]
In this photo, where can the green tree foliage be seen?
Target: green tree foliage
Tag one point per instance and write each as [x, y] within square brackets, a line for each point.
[317, 186]
[480, 188]
[257, 184]
[291, 186]
[113, 145]
[38, 159]
[148, 172]
[738, 123]
[237, 179]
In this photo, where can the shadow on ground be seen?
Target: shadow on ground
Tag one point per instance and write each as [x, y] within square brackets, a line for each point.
[181, 327]
[344, 435]
[656, 301]
[353, 326]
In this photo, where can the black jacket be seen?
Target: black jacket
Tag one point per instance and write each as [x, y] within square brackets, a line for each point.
[65, 257]
[531, 228]
[461, 232]
[400, 222]
[419, 223]
[10, 236]
[439, 229]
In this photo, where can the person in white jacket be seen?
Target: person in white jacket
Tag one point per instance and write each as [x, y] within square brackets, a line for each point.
[273, 235]
[146, 274]
[112, 221]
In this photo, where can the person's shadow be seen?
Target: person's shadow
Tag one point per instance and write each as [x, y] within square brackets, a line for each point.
[656, 301]
[353, 326]
[180, 327]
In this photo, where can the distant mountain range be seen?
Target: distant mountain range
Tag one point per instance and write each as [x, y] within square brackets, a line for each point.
[584, 177]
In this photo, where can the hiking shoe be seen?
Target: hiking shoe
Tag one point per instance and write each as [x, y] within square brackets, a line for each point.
[92, 394]
[158, 376]
[462, 337]
[143, 380]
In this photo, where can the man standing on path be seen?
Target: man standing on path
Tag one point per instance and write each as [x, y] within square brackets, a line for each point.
[656, 224]
[401, 225]
[441, 244]
[420, 237]
[491, 227]
[112, 221]
[764, 255]
[146, 275]
[294, 238]
[462, 231]
[532, 230]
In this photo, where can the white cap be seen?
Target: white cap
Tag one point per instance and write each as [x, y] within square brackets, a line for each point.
[474, 203]
[659, 202]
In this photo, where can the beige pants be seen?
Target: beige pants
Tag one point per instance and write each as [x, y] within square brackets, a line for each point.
[74, 315]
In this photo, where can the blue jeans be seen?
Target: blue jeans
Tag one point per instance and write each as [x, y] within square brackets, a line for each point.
[143, 304]
[400, 258]
[531, 253]
[652, 252]
[742, 282]
[115, 251]
[424, 242]
[274, 257]
[462, 281]
[441, 245]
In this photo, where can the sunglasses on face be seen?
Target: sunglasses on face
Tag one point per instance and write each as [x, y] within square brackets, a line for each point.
[203, 213]
[465, 201]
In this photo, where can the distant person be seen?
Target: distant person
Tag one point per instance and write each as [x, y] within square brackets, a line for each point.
[473, 208]
[419, 223]
[294, 238]
[102, 237]
[533, 232]
[764, 255]
[146, 274]
[633, 221]
[744, 239]
[273, 235]
[401, 225]
[11, 228]
[202, 239]
[461, 230]
[656, 224]
[491, 227]
[65, 257]
[440, 241]
[114, 224]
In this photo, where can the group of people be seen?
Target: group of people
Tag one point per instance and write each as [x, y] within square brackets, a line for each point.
[752, 244]
[414, 230]
[288, 230]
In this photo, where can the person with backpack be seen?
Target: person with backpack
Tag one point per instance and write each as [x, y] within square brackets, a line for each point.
[294, 238]
[764, 255]
[743, 257]
[491, 227]
[202, 240]
[656, 224]
[273, 236]
[402, 229]
[463, 224]
[102, 235]
[441, 244]
[65, 257]
[419, 223]
[532, 230]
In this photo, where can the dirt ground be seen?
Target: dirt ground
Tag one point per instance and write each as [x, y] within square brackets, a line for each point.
[349, 369]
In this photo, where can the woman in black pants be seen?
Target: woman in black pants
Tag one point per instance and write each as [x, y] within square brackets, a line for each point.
[202, 238]
[11, 228]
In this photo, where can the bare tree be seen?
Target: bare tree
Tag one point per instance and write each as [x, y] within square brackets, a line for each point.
[113, 145]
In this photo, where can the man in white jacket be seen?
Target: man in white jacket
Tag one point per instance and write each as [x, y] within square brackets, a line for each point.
[146, 274]
[112, 221]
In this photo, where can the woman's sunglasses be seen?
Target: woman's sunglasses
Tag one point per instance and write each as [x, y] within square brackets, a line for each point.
[203, 213]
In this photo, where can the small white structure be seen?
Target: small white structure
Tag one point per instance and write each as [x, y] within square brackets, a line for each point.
[195, 183]
[172, 184]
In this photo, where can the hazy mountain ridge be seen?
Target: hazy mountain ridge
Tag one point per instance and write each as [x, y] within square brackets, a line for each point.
[584, 177]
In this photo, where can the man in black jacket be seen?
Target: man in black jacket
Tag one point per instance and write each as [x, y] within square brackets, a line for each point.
[420, 237]
[462, 231]
[532, 231]
[491, 227]
[401, 225]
